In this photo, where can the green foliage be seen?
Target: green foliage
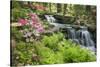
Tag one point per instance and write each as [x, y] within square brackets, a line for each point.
[52, 49]
[16, 34]
[15, 4]
[47, 55]
[51, 41]
[79, 10]
[66, 51]
[19, 13]
[22, 54]
[59, 59]
[64, 44]
[77, 54]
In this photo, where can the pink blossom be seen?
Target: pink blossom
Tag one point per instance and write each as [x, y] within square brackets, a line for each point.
[34, 22]
[38, 24]
[40, 30]
[34, 18]
[22, 21]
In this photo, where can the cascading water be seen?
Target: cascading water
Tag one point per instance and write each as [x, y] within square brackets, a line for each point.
[72, 35]
[50, 18]
[52, 21]
[82, 36]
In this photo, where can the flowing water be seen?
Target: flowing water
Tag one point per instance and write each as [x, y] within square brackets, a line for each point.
[81, 36]
[85, 39]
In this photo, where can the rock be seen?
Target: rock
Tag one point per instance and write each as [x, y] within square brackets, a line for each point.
[91, 27]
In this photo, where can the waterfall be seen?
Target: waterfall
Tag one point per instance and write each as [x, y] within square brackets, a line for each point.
[71, 33]
[85, 39]
[50, 18]
[81, 36]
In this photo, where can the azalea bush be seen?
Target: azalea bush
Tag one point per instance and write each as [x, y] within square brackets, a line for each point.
[31, 27]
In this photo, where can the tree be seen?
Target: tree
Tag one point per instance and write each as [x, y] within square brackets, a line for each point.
[50, 7]
[59, 8]
[64, 12]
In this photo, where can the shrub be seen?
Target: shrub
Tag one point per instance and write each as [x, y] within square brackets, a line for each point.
[18, 13]
[70, 51]
[59, 58]
[51, 50]
[46, 55]
[16, 34]
[77, 54]
[22, 54]
[52, 41]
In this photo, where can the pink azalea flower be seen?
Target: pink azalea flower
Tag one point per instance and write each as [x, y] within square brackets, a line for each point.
[35, 23]
[22, 21]
[40, 30]
[36, 26]
[35, 20]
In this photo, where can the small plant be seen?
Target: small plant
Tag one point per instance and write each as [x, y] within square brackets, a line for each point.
[52, 41]
[16, 34]
[46, 55]
[23, 56]
[77, 54]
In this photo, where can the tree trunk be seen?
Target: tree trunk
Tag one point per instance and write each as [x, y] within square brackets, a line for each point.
[64, 11]
[50, 7]
[88, 9]
[59, 8]
[30, 5]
